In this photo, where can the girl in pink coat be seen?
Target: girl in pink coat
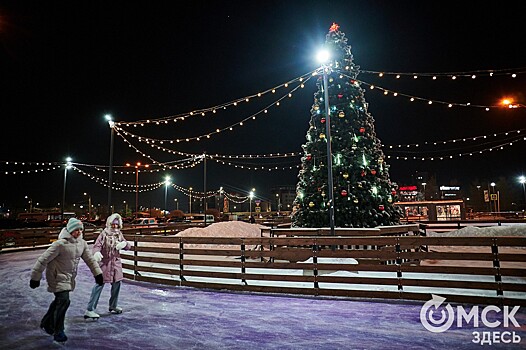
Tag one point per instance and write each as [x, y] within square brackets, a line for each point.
[106, 253]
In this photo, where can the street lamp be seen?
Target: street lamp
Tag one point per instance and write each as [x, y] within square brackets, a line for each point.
[176, 204]
[510, 103]
[190, 202]
[279, 201]
[125, 208]
[89, 205]
[424, 184]
[251, 196]
[66, 167]
[137, 166]
[166, 183]
[30, 203]
[111, 123]
[323, 58]
[522, 180]
[493, 192]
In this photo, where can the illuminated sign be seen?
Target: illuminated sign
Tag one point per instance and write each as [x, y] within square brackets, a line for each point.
[449, 188]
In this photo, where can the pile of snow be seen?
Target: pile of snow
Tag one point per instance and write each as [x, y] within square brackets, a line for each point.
[237, 229]
[492, 231]
[308, 272]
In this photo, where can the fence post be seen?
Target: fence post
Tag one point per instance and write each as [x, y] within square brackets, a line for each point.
[181, 257]
[315, 267]
[243, 263]
[399, 264]
[496, 266]
[135, 255]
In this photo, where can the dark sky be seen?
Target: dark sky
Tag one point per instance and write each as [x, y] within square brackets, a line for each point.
[65, 64]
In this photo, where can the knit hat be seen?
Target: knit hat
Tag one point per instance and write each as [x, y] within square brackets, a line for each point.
[74, 224]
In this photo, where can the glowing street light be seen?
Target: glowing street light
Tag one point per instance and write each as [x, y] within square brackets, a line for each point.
[30, 203]
[510, 103]
[251, 196]
[89, 205]
[190, 202]
[522, 180]
[166, 183]
[137, 166]
[67, 166]
[176, 204]
[111, 123]
[323, 57]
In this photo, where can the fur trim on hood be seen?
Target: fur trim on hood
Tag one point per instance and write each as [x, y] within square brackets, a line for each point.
[113, 217]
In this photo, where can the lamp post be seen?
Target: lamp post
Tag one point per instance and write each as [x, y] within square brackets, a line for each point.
[279, 202]
[424, 184]
[166, 183]
[323, 57]
[522, 180]
[221, 206]
[176, 204]
[190, 202]
[111, 123]
[30, 203]
[493, 192]
[89, 205]
[251, 196]
[125, 208]
[137, 166]
[66, 167]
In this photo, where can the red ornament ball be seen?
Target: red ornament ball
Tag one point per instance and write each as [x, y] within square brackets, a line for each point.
[381, 207]
[340, 95]
[344, 193]
[373, 171]
[362, 129]
[309, 157]
[322, 120]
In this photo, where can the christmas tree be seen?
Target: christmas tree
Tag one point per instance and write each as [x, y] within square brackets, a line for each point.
[363, 193]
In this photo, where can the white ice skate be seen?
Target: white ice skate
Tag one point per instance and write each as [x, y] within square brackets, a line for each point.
[91, 314]
[116, 310]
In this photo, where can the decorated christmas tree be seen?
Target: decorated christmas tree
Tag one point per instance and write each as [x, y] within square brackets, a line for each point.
[363, 193]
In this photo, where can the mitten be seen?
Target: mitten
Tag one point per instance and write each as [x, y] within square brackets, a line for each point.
[99, 280]
[97, 256]
[33, 284]
[120, 245]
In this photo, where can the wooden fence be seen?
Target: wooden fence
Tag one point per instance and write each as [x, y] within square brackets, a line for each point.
[388, 263]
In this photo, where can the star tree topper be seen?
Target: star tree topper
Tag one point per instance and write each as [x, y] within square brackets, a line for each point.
[334, 27]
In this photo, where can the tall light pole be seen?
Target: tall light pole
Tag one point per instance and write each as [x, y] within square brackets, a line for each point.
[251, 196]
[323, 57]
[176, 204]
[66, 167]
[30, 203]
[125, 208]
[166, 183]
[89, 205]
[190, 202]
[111, 123]
[137, 166]
[279, 201]
[522, 180]
[221, 207]
[493, 192]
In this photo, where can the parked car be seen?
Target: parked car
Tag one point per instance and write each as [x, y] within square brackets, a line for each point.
[144, 222]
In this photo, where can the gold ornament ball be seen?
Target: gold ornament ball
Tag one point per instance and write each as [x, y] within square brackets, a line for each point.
[311, 204]
[322, 136]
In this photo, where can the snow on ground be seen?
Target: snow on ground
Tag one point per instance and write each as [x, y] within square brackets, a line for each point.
[492, 231]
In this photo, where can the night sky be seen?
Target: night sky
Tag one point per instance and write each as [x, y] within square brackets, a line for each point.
[65, 64]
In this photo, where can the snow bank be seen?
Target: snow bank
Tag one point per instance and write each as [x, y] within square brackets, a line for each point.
[493, 231]
[237, 229]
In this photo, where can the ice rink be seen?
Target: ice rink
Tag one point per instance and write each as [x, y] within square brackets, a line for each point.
[164, 317]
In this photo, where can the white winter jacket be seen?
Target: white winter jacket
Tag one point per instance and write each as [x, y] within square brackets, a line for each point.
[61, 262]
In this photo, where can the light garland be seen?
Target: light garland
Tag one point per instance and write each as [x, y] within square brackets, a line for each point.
[231, 127]
[512, 72]
[202, 112]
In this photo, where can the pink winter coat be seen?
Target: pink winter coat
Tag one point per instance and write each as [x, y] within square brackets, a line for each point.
[110, 264]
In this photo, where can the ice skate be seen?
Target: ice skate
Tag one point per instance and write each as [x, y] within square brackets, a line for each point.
[91, 314]
[116, 310]
[46, 329]
[60, 337]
